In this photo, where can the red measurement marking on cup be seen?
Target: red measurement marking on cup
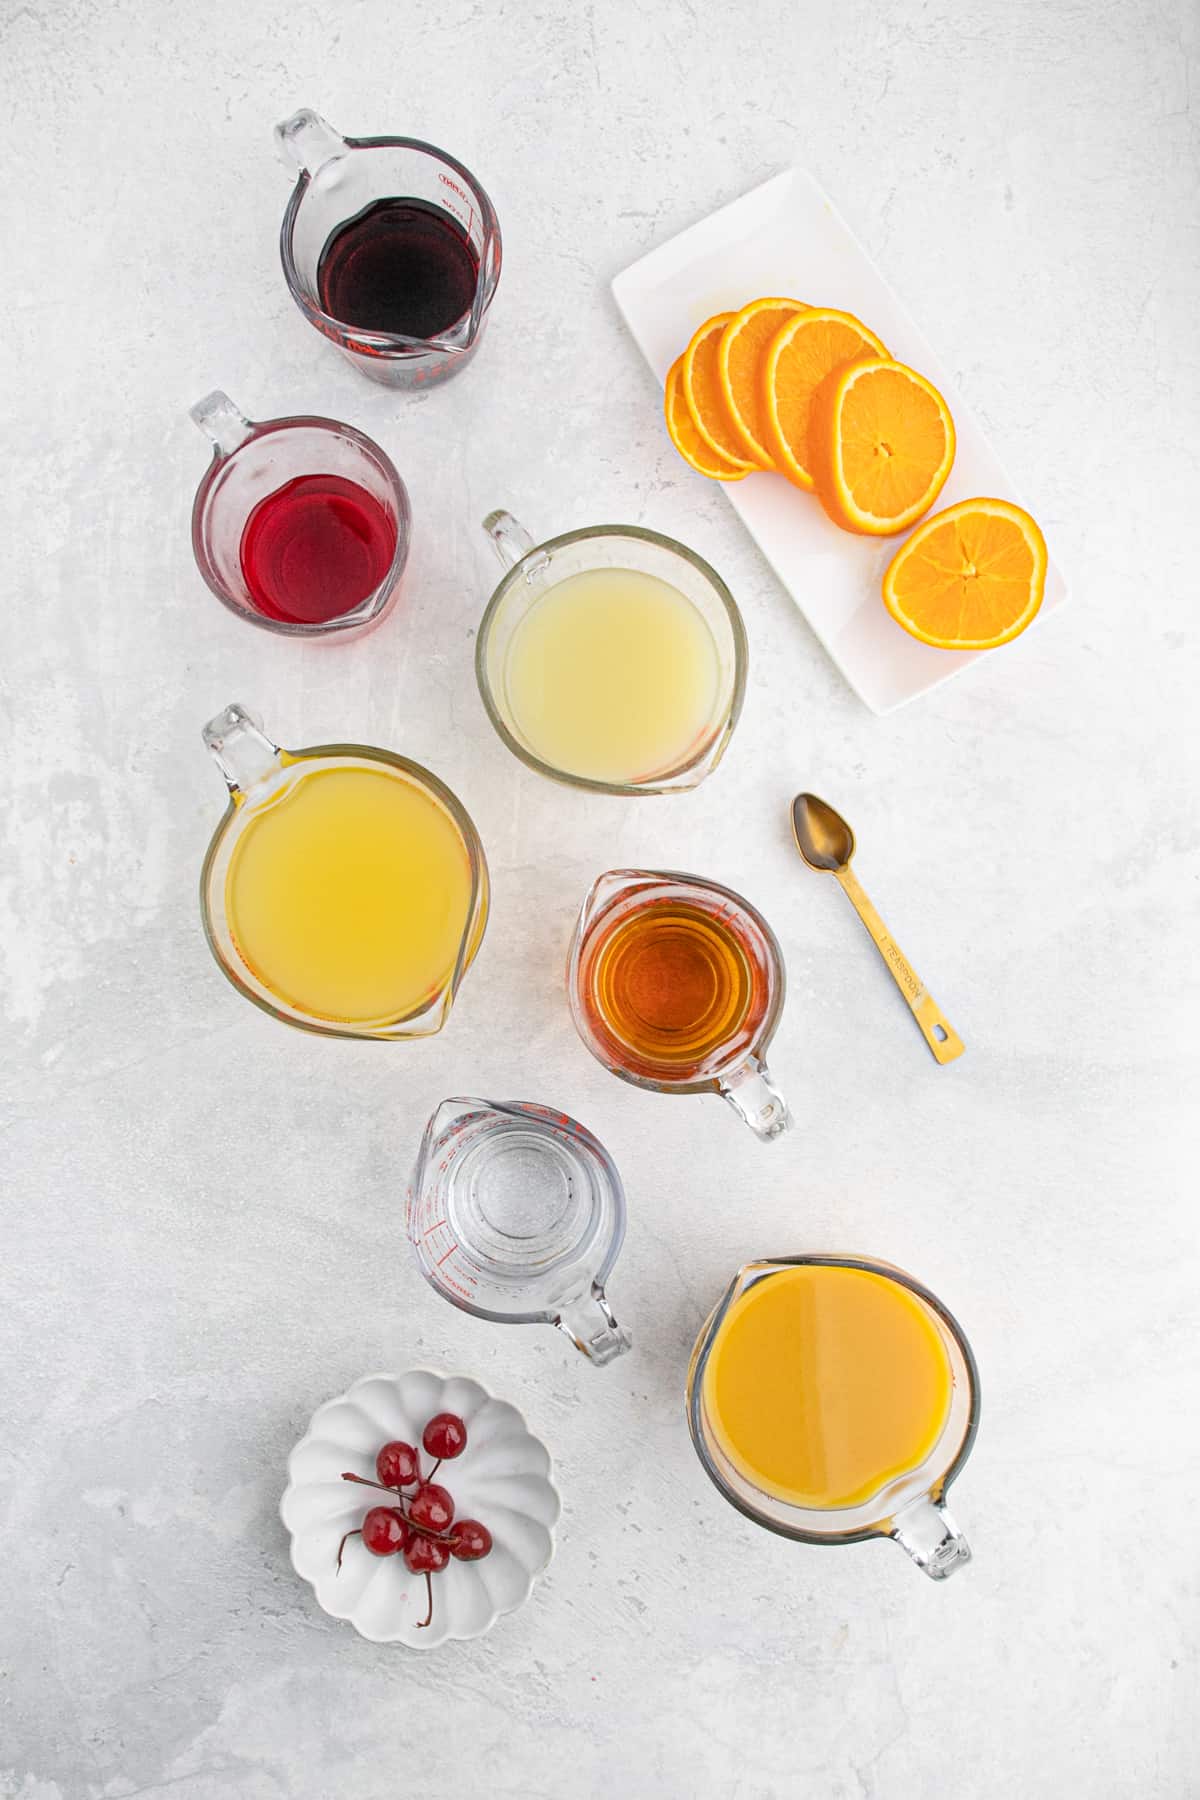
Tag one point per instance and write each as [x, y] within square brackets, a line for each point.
[442, 1259]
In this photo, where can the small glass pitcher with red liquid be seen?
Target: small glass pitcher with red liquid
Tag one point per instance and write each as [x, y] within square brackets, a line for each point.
[300, 525]
[677, 984]
[390, 248]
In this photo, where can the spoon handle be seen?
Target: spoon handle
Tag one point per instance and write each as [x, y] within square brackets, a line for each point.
[936, 1028]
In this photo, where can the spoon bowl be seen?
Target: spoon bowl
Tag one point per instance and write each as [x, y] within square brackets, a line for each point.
[823, 838]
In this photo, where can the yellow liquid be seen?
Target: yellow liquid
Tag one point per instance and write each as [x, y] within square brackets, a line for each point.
[614, 676]
[826, 1383]
[348, 895]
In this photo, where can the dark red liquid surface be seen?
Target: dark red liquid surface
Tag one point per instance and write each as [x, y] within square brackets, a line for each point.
[315, 548]
[399, 265]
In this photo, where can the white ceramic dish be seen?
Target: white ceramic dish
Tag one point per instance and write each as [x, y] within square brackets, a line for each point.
[502, 1478]
[785, 238]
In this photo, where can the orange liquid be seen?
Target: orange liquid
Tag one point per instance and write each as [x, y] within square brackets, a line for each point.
[670, 986]
[826, 1383]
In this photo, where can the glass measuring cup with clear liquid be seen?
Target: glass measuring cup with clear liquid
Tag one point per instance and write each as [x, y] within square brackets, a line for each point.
[516, 1213]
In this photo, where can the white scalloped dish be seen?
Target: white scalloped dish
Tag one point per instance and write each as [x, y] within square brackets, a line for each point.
[502, 1478]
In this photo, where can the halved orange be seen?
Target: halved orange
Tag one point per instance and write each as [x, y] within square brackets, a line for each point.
[880, 445]
[794, 364]
[685, 437]
[969, 578]
[702, 390]
[743, 344]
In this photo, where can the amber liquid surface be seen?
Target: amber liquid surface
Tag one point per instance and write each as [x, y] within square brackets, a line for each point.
[670, 987]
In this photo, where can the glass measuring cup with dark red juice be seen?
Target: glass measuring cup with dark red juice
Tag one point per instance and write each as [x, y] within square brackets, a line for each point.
[390, 248]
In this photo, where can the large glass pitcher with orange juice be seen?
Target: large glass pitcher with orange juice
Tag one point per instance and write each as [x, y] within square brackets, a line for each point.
[834, 1398]
[345, 890]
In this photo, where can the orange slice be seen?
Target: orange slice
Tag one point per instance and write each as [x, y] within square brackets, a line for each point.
[794, 365]
[685, 437]
[969, 578]
[743, 344]
[701, 380]
[880, 445]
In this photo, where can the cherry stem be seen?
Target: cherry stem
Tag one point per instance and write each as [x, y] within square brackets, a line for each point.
[365, 1481]
[437, 1465]
[442, 1537]
[342, 1546]
[421, 1623]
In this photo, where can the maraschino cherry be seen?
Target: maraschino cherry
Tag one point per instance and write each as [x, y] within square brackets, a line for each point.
[398, 1465]
[384, 1531]
[470, 1540]
[431, 1506]
[445, 1436]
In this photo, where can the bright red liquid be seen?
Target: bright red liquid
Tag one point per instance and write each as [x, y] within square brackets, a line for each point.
[315, 548]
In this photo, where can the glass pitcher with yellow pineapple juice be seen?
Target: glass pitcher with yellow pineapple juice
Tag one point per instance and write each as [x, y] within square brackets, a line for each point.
[345, 890]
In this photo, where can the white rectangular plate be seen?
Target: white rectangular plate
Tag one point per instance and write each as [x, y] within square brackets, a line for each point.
[786, 238]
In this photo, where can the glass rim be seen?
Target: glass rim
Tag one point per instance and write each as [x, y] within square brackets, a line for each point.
[716, 746]
[367, 608]
[877, 1528]
[385, 343]
[480, 892]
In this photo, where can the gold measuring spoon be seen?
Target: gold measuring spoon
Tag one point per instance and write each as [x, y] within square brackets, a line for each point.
[826, 843]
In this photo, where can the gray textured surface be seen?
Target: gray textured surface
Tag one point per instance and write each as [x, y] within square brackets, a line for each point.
[202, 1228]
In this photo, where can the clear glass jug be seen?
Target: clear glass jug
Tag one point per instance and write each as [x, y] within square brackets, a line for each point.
[734, 1066]
[296, 880]
[517, 1214]
[911, 1507]
[339, 178]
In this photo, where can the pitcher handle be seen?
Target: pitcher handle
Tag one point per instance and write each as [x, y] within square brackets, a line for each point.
[589, 1323]
[754, 1097]
[306, 142]
[510, 540]
[926, 1530]
[221, 422]
[244, 753]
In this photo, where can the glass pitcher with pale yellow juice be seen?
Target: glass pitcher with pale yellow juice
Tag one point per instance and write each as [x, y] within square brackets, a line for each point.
[612, 659]
[345, 890]
[833, 1398]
